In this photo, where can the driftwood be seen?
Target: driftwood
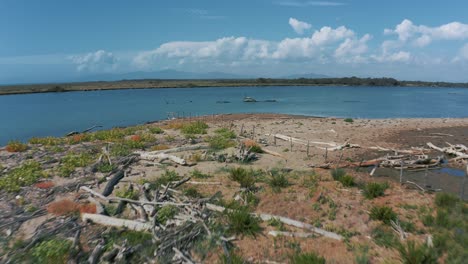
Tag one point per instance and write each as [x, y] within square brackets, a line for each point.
[161, 157]
[96, 254]
[292, 234]
[82, 132]
[301, 141]
[404, 151]
[459, 150]
[285, 220]
[267, 151]
[116, 222]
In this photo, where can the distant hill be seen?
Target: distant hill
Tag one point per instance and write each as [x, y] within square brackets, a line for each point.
[164, 74]
[305, 75]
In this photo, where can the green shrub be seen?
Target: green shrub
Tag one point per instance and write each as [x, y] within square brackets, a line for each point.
[197, 127]
[240, 221]
[307, 258]
[199, 175]
[166, 212]
[156, 130]
[374, 189]
[442, 218]
[69, 163]
[251, 199]
[446, 200]
[127, 192]
[244, 177]
[219, 142]
[347, 181]
[120, 150]
[233, 259]
[25, 175]
[226, 133]
[192, 192]
[411, 253]
[167, 177]
[46, 141]
[256, 149]
[428, 220]
[383, 213]
[276, 223]
[277, 181]
[384, 237]
[105, 167]
[348, 120]
[16, 146]
[337, 174]
[51, 251]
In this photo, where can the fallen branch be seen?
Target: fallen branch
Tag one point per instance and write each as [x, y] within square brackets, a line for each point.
[116, 222]
[267, 151]
[291, 234]
[162, 157]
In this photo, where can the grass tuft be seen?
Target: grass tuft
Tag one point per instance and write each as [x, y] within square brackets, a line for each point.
[16, 146]
[383, 213]
[307, 258]
[244, 177]
[240, 221]
[25, 175]
[374, 189]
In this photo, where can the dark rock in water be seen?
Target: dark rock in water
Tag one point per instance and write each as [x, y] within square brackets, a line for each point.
[271, 101]
[223, 102]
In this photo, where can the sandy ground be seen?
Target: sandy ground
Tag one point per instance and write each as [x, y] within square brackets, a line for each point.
[299, 201]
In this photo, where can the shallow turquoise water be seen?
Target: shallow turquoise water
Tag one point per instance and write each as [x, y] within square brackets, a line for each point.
[55, 114]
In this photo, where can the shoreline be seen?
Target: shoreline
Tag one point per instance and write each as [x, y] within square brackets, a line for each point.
[202, 83]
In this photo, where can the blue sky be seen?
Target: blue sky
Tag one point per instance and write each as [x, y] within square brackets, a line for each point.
[61, 40]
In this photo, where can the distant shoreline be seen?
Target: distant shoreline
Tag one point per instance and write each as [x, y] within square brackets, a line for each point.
[260, 82]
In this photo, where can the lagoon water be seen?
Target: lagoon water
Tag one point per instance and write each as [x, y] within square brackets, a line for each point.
[55, 114]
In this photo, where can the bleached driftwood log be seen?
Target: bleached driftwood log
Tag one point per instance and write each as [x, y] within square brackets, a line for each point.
[340, 147]
[301, 141]
[459, 150]
[116, 222]
[267, 151]
[404, 151]
[284, 220]
[291, 234]
[161, 157]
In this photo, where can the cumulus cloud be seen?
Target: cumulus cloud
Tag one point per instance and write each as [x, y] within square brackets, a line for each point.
[97, 61]
[400, 56]
[421, 35]
[352, 49]
[299, 26]
[235, 49]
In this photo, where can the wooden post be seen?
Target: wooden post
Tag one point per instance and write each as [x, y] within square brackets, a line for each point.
[308, 145]
[401, 172]
[462, 191]
[326, 154]
[274, 139]
[242, 130]
[291, 144]
[425, 176]
[253, 133]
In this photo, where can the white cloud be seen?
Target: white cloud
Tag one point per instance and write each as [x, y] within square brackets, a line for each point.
[309, 3]
[352, 49]
[299, 26]
[421, 35]
[99, 61]
[235, 49]
[400, 56]
[462, 54]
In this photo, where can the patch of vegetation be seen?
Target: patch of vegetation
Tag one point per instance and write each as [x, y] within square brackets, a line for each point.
[240, 221]
[227, 133]
[199, 175]
[167, 177]
[25, 175]
[120, 150]
[192, 192]
[133, 238]
[341, 176]
[244, 177]
[51, 251]
[233, 259]
[69, 163]
[383, 213]
[277, 180]
[16, 146]
[307, 258]
[384, 237]
[374, 189]
[446, 200]
[156, 130]
[251, 199]
[46, 141]
[194, 128]
[412, 253]
[348, 120]
[105, 167]
[219, 142]
[166, 212]
[276, 223]
[159, 147]
[127, 192]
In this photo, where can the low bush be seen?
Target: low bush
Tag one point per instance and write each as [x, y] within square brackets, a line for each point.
[383, 213]
[63, 207]
[337, 174]
[192, 192]
[25, 175]
[277, 181]
[46, 141]
[16, 146]
[385, 237]
[226, 133]
[199, 175]
[341, 176]
[192, 128]
[54, 250]
[374, 189]
[166, 212]
[412, 253]
[446, 200]
[156, 130]
[120, 150]
[307, 258]
[219, 142]
[105, 167]
[244, 177]
[69, 163]
[167, 177]
[127, 192]
[240, 221]
[348, 120]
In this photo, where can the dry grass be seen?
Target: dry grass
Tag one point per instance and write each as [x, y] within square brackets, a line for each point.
[44, 185]
[160, 147]
[68, 207]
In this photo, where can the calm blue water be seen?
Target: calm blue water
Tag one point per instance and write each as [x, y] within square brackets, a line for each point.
[55, 114]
